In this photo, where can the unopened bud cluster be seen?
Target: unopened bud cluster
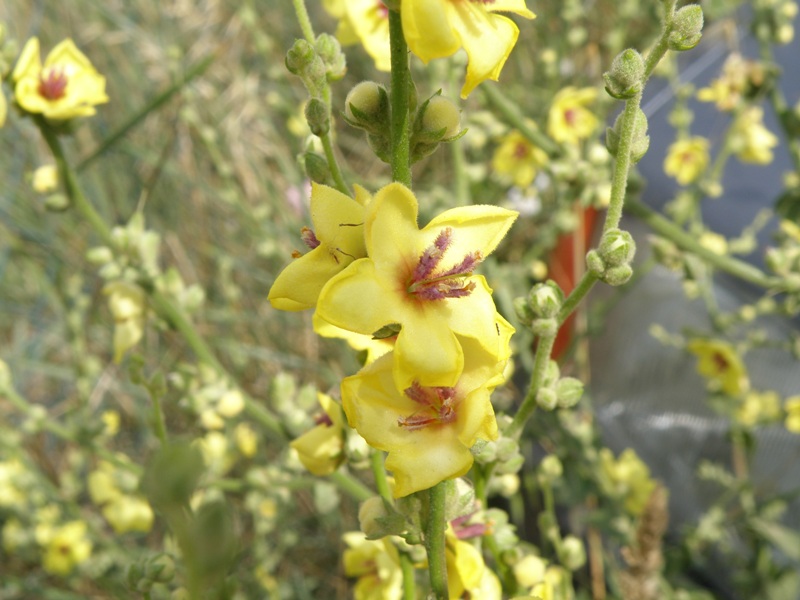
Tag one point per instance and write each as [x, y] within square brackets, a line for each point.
[556, 391]
[437, 120]
[611, 261]
[625, 79]
[539, 311]
[774, 20]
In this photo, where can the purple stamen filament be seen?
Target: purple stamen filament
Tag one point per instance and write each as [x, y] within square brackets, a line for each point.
[308, 237]
[428, 284]
[54, 86]
[438, 407]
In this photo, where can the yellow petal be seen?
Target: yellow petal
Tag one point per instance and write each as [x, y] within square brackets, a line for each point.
[29, 63]
[427, 29]
[427, 351]
[475, 228]
[298, 286]
[488, 40]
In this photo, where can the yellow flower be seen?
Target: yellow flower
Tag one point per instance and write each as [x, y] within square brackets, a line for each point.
[427, 431]
[336, 241]
[751, 141]
[627, 477]
[45, 179]
[792, 408]
[738, 77]
[321, 450]
[421, 281]
[687, 159]
[65, 87]
[125, 512]
[246, 439]
[67, 548]
[518, 158]
[720, 364]
[569, 120]
[11, 472]
[365, 21]
[127, 302]
[759, 407]
[3, 105]
[554, 586]
[466, 571]
[377, 566]
[438, 28]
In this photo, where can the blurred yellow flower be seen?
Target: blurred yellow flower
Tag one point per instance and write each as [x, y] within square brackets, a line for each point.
[365, 21]
[517, 158]
[569, 120]
[336, 241]
[422, 281]
[321, 450]
[10, 473]
[377, 566]
[65, 87]
[45, 179]
[246, 439]
[687, 159]
[467, 572]
[3, 105]
[750, 140]
[719, 363]
[758, 408]
[739, 76]
[68, 547]
[427, 431]
[127, 302]
[792, 408]
[124, 511]
[438, 28]
[627, 477]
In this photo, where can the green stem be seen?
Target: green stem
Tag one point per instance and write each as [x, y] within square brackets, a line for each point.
[304, 20]
[687, 242]
[327, 145]
[619, 180]
[516, 119]
[543, 351]
[398, 98]
[409, 583]
[71, 186]
[193, 72]
[351, 486]
[379, 471]
[577, 295]
[435, 541]
[158, 419]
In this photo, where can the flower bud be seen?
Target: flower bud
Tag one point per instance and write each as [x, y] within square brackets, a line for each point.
[523, 310]
[544, 327]
[302, 60]
[640, 141]
[551, 467]
[545, 299]
[687, 28]
[626, 76]
[57, 202]
[569, 391]
[485, 452]
[318, 117]
[618, 275]
[572, 554]
[595, 264]
[367, 107]
[506, 448]
[616, 248]
[316, 168]
[330, 51]
[441, 118]
[370, 514]
[546, 398]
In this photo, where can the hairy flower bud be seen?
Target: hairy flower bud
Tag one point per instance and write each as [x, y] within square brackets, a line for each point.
[302, 60]
[318, 117]
[547, 398]
[569, 391]
[367, 107]
[316, 168]
[625, 79]
[687, 28]
[617, 248]
[441, 118]
[545, 299]
[640, 141]
[330, 51]
[572, 554]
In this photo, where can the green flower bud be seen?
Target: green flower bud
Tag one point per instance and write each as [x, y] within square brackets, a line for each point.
[57, 203]
[545, 299]
[618, 275]
[367, 107]
[572, 554]
[99, 255]
[523, 311]
[595, 264]
[616, 248]
[485, 452]
[318, 117]
[441, 118]
[546, 398]
[506, 448]
[381, 146]
[687, 28]
[160, 568]
[551, 468]
[551, 374]
[300, 57]
[640, 141]
[330, 51]
[459, 498]
[569, 391]
[373, 518]
[625, 79]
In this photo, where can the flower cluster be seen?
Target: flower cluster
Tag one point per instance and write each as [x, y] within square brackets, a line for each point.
[372, 273]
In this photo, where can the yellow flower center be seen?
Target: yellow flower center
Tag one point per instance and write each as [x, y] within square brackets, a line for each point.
[437, 407]
[54, 85]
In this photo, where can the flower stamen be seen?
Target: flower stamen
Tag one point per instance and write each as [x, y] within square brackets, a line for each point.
[54, 86]
[426, 284]
[438, 407]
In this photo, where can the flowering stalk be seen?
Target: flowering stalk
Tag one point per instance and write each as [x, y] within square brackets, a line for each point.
[543, 350]
[398, 97]
[409, 586]
[435, 540]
